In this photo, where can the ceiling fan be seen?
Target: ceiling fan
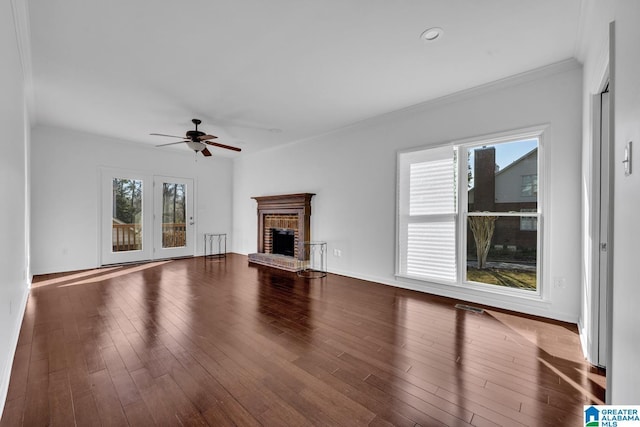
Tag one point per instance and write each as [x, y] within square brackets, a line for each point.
[196, 140]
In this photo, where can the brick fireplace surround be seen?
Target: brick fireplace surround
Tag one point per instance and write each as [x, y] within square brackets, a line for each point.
[284, 212]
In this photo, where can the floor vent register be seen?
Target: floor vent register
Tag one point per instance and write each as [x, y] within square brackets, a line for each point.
[470, 308]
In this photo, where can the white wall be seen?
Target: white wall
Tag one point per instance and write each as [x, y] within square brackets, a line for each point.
[14, 232]
[623, 378]
[353, 172]
[66, 192]
[624, 372]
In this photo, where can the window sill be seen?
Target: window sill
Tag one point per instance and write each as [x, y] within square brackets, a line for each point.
[491, 295]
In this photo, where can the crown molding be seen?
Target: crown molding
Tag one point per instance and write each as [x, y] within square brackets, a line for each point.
[462, 95]
[21, 21]
[503, 83]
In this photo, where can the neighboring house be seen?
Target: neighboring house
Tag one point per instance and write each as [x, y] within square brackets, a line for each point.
[512, 189]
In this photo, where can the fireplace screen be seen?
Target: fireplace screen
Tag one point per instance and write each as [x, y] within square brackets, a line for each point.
[283, 241]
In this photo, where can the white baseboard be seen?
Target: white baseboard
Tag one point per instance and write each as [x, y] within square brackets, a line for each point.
[535, 308]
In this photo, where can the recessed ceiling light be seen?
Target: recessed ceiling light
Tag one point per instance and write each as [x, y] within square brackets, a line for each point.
[431, 34]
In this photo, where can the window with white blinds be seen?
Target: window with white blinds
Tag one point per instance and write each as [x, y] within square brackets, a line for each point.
[427, 214]
[470, 213]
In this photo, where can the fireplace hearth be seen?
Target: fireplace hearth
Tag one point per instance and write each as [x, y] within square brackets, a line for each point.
[283, 227]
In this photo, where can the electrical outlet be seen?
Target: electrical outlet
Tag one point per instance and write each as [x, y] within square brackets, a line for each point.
[337, 253]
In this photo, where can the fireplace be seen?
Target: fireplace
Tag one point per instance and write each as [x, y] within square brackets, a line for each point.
[278, 221]
[283, 227]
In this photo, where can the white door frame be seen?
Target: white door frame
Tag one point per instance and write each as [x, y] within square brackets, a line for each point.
[606, 216]
[602, 214]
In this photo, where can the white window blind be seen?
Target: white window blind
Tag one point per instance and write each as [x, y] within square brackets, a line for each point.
[427, 197]
[431, 249]
[431, 187]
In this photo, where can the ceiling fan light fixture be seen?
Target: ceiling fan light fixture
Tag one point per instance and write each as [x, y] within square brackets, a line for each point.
[197, 140]
[431, 34]
[196, 146]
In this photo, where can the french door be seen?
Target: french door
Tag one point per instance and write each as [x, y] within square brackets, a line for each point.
[145, 217]
[173, 213]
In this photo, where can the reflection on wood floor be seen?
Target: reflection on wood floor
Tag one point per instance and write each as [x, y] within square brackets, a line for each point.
[218, 342]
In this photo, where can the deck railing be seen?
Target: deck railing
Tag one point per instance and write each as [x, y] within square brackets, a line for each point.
[128, 237]
[174, 235]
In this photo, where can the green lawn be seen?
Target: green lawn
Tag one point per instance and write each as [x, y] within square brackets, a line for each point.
[510, 278]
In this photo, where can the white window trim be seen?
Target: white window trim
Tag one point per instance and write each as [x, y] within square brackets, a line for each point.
[542, 292]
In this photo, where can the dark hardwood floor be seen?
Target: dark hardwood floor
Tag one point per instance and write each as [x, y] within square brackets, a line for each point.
[217, 342]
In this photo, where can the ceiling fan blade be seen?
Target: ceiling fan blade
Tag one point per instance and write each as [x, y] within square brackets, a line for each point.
[205, 152]
[217, 144]
[170, 143]
[170, 136]
[205, 137]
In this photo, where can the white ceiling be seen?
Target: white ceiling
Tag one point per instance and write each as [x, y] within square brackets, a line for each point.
[261, 73]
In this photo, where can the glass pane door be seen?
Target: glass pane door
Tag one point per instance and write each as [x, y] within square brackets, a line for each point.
[126, 214]
[126, 218]
[174, 217]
